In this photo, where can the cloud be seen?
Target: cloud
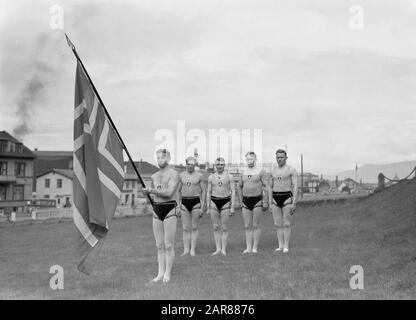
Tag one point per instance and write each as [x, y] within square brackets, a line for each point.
[294, 69]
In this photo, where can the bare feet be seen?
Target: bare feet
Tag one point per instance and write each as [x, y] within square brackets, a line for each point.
[192, 253]
[278, 249]
[158, 278]
[185, 253]
[166, 279]
[254, 250]
[223, 252]
[215, 253]
[285, 250]
[246, 251]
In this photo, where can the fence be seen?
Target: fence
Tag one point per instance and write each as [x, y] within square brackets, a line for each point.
[44, 214]
[382, 179]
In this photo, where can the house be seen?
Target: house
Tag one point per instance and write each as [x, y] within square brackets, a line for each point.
[48, 160]
[16, 174]
[131, 193]
[311, 182]
[55, 185]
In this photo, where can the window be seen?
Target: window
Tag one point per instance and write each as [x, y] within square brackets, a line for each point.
[46, 196]
[59, 201]
[59, 183]
[18, 192]
[127, 184]
[2, 192]
[19, 148]
[3, 168]
[47, 183]
[3, 146]
[19, 169]
[133, 184]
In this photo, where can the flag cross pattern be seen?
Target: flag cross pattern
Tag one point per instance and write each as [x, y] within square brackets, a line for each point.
[97, 164]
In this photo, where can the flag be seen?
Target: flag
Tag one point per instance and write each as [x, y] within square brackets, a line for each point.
[98, 170]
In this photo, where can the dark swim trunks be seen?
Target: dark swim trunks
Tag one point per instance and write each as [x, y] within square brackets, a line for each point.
[220, 202]
[163, 208]
[252, 202]
[281, 197]
[190, 202]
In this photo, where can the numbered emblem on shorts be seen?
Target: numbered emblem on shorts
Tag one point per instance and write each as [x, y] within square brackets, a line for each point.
[188, 184]
[159, 187]
[249, 176]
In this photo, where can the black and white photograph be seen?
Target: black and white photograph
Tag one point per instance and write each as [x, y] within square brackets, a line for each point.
[207, 154]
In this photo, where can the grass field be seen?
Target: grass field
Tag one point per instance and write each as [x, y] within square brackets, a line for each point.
[378, 233]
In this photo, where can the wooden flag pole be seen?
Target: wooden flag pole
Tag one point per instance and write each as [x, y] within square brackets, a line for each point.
[71, 45]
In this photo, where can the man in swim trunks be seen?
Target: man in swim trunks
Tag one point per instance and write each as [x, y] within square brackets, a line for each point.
[192, 202]
[253, 195]
[164, 187]
[220, 204]
[283, 194]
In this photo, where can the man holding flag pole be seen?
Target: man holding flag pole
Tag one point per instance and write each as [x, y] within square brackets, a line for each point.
[164, 187]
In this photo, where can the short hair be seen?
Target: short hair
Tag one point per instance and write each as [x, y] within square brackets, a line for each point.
[189, 159]
[220, 159]
[163, 151]
[281, 151]
[251, 153]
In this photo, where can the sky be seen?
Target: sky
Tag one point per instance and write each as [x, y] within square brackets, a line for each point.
[298, 71]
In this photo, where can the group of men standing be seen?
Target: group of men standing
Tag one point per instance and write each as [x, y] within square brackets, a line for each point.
[256, 193]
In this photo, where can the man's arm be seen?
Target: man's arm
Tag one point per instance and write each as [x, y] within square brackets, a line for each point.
[294, 178]
[209, 190]
[270, 190]
[180, 191]
[146, 190]
[203, 192]
[265, 189]
[232, 186]
[240, 188]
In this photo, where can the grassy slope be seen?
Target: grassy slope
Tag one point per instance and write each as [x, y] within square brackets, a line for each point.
[378, 233]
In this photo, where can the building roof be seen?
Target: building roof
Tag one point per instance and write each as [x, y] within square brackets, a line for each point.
[350, 179]
[144, 168]
[26, 152]
[63, 172]
[4, 135]
[308, 174]
[52, 155]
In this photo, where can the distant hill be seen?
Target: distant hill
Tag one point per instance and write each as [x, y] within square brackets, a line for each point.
[369, 172]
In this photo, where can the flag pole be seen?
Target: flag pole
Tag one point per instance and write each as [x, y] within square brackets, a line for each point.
[71, 45]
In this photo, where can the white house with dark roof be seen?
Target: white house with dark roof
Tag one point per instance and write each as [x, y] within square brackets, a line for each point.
[55, 184]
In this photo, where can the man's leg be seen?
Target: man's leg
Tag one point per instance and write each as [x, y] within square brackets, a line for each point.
[186, 226]
[257, 214]
[196, 213]
[170, 231]
[248, 225]
[286, 227]
[215, 218]
[278, 223]
[160, 244]
[225, 215]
